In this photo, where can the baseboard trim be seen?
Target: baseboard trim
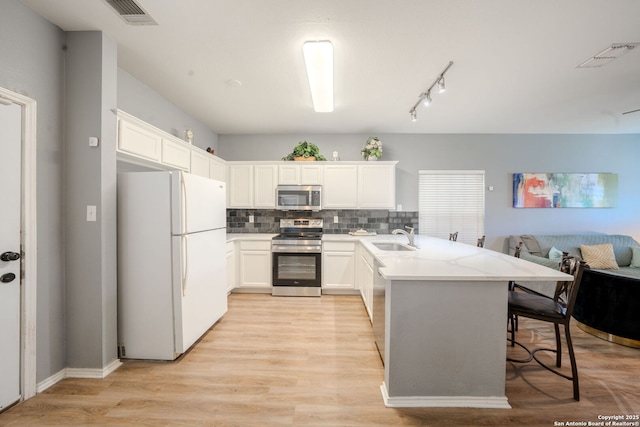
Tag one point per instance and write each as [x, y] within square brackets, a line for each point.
[493, 402]
[78, 373]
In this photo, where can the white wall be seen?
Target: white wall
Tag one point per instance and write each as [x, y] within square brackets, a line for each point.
[500, 156]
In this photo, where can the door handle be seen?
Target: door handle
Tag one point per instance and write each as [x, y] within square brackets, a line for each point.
[10, 256]
[7, 277]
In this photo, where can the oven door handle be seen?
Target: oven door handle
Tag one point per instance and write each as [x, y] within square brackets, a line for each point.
[296, 249]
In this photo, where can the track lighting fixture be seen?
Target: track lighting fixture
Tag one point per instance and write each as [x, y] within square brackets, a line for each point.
[425, 97]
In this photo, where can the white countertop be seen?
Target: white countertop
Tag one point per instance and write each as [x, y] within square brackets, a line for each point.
[249, 236]
[439, 259]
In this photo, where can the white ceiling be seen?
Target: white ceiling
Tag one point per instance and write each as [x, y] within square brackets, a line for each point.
[514, 62]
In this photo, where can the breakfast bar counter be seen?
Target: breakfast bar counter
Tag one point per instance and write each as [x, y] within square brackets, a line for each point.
[443, 308]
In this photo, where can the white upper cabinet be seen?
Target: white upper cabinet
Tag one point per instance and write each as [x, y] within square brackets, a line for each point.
[176, 154]
[200, 163]
[340, 188]
[301, 174]
[345, 185]
[265, 178]
[239, 185]
[139, 141]
[312, 174]
[289, 174]
[376, 186]
[217, 169]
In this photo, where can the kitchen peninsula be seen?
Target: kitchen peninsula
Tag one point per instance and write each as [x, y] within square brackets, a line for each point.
[444, 313]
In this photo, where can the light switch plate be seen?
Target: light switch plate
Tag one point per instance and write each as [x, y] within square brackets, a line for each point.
[93, 141]
[91, 213]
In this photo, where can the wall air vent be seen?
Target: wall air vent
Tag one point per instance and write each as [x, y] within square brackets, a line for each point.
[609, 54]
[131, 12]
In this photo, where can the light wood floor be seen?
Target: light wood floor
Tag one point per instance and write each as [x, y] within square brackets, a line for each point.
[313, 362]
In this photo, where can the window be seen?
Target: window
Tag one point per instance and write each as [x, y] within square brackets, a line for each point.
[452, 201]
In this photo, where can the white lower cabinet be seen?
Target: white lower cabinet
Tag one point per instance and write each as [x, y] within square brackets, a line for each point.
[338, 266]
[365, 278]
[255, 264]
[231, 266]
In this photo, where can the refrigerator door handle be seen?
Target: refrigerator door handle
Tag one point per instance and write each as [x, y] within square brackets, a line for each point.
[185, 265]
[185, 214]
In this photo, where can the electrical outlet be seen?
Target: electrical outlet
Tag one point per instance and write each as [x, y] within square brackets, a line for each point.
[335, 219]
[251, 219]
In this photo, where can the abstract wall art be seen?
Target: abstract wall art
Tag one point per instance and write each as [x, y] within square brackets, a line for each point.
[565, 190]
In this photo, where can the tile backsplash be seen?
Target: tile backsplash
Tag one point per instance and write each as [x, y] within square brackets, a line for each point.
[268, 221]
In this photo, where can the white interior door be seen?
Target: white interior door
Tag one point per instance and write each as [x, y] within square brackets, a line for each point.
[10, 264]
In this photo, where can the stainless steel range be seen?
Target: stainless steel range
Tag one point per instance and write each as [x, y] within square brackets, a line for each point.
[297, 258]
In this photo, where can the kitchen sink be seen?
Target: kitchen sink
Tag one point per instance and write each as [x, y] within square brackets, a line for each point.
[392, 246]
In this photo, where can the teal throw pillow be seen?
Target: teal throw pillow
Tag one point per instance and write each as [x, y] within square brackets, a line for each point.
[555, 254]
[635, 257]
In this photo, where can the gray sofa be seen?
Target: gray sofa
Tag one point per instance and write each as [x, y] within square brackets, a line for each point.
[607, 302]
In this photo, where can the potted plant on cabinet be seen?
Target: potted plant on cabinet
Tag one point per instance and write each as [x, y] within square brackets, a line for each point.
[372, 150]
[305, 151]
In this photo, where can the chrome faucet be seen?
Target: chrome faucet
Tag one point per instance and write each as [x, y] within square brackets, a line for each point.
[410, 235]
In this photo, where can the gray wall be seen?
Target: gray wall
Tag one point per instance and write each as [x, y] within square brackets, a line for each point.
[500, 156]
[76, 308]
[90, 179]
[139, 100]
[32, 64]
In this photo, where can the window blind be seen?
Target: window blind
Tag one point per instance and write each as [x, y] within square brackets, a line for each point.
[450, 201]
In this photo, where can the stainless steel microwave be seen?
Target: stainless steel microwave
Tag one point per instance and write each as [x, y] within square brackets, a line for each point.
[299, 197]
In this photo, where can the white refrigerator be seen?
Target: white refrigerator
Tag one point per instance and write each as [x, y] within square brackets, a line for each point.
[172, 279]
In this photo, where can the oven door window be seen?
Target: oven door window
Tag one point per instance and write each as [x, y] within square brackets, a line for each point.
[296, 269]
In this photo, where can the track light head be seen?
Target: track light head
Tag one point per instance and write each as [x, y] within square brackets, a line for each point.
[441, 87]
[426, 100]
[414, 116]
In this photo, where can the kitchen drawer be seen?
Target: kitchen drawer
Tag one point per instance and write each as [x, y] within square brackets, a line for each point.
[339, 246]
[255, 245]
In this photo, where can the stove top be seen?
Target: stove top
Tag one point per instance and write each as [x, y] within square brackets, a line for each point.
[300, 229]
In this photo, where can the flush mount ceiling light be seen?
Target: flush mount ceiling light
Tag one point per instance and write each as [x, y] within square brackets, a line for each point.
[425, 97]
[614, 51]
[318, 58]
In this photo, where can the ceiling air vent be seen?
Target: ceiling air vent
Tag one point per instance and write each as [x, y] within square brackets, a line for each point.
[131, 12]
[609, 54]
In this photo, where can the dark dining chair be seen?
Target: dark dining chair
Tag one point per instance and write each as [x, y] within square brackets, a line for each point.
[453, 236]
[481, 242]
[556, 310]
